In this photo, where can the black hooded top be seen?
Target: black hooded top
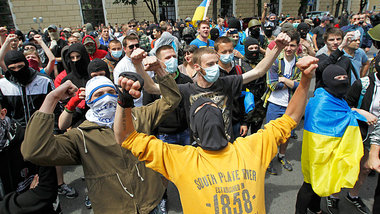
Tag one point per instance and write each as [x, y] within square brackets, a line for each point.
[77, 71]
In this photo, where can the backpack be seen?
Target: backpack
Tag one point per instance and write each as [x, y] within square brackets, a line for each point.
[365, 84]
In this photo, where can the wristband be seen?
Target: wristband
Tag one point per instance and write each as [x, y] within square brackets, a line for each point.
[73, 102]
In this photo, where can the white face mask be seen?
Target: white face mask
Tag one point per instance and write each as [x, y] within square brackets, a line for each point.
[102, 110]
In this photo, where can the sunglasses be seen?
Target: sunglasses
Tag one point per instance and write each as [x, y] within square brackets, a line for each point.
[132, 26]
[133, 46]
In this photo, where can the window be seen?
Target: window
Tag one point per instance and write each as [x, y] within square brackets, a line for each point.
[167, 10]
[6, 15]
[226, 8]
[92, 11]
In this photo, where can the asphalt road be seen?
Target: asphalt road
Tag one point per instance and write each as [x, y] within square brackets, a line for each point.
[280, 191]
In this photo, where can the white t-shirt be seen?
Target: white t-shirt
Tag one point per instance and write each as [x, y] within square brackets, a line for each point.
[281, 97]
[375, 105]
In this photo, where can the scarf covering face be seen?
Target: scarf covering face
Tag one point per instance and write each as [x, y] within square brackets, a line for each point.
[207, 125]
[303, 29]
[98, 65]
[24, 75]
[102, 109]
[77, 72]
[251, 55]
[338, 88]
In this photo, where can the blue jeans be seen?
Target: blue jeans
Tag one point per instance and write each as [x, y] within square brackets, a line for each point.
[275, 111]
[236, 132]
[182, 138]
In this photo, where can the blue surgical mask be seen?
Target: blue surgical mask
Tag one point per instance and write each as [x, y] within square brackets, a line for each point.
[226, 58]
[171, 65]
[212, 73]
[117, 54]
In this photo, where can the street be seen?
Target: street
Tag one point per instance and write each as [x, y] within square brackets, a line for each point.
[280, 191]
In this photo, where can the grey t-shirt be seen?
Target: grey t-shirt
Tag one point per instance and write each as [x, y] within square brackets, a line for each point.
[319, 31]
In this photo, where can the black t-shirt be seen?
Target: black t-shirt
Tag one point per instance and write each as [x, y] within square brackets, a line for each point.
[223, 92]
[319, 31]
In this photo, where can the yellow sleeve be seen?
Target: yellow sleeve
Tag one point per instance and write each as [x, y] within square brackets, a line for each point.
[167, 159]
[264, 143]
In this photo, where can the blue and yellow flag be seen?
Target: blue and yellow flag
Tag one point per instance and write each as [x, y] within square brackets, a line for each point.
[332, 145]
[201, 11]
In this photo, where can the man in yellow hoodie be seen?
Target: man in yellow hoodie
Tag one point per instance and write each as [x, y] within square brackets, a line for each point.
[217, 176]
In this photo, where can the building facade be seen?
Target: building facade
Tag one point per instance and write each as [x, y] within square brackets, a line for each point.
[74, 13]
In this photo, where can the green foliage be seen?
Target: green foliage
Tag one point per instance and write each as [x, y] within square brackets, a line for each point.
[126, 2]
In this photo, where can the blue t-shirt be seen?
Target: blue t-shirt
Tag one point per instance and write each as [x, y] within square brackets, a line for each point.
[201, 44]
[357, 62]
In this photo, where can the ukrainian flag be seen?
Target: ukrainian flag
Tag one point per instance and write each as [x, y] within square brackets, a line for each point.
[201, 11]
[332, 145]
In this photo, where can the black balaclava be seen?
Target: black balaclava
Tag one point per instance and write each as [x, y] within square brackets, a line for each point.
[234, 23]
[80, 66]
[77, 70]
[214, 33]
[254, 32]
[303, 29]
[25, 75]
[268, 28]
[338, 88]
[207, 124]
[251, 55]
[98, 65]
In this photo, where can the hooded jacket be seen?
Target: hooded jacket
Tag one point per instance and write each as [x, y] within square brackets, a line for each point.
[78, 78]
[22, 101]
[117, 182]
[98, 53]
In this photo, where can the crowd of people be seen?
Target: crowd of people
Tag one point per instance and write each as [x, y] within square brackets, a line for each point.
[144, 103]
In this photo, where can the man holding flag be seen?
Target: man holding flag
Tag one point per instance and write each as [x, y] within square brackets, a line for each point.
[332, 148]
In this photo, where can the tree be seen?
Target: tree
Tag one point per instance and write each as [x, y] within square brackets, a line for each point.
[151, 4]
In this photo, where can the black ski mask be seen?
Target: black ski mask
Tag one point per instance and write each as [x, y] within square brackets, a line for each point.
[303, 29]
[251, 55]
[98, 65]
[338, 87]
[268, 28]
[77, 71]
[214, 33]
[207, 124]
[254, 32]
[25, 75]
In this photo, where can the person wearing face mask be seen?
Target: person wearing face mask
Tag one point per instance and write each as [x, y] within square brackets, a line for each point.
[237, 35]
[307, 45]
[268, 28]
[231, 65]
[114, 55]
[217, 170]
[338, 147]
[222, 90]
[92, 48]
[111, 172]
[56, 45]
[254, 31]
[78, 61]
[258, 87]
[174, 128]
[22, 92]
[214, 34]
[34, 59]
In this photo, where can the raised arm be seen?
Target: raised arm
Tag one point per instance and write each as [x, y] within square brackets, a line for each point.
[297, 104]
[144, 63]
[50, 66]
[4, 49]
[123, 124]
[271, 54]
